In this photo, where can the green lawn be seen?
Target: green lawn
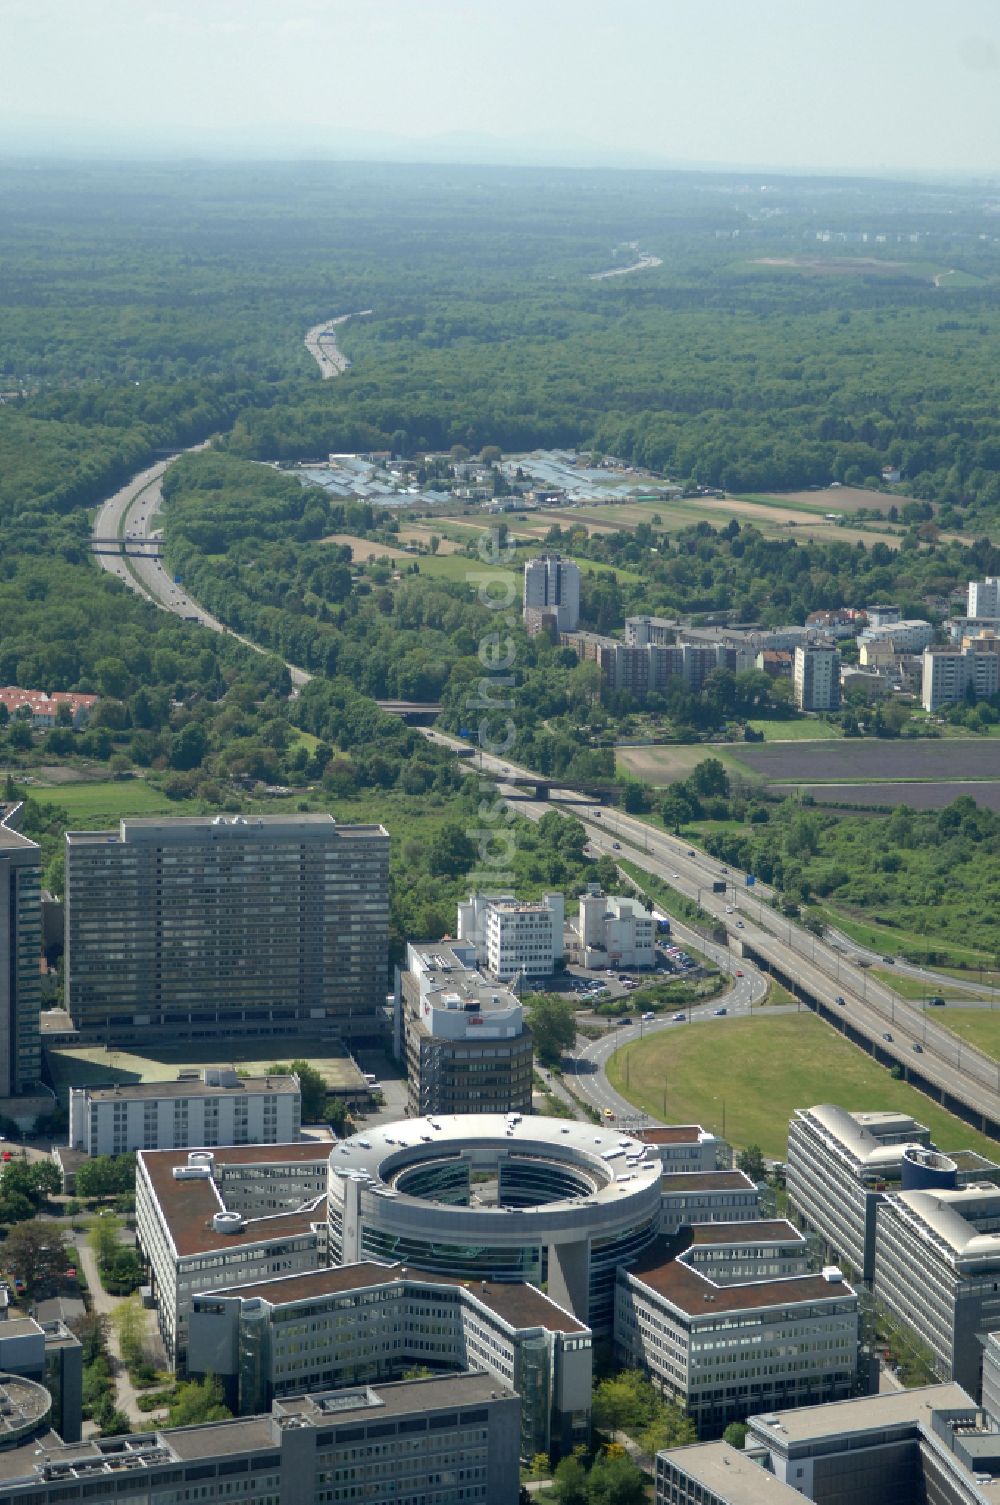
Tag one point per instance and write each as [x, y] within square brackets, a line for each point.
[752, 1074]
[809, 730]
[912, 987]
[893, 941]
[776, 997]
[106, 801]
[981, 1027]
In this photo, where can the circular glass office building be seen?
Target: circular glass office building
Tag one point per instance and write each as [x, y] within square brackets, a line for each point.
[494, 1197]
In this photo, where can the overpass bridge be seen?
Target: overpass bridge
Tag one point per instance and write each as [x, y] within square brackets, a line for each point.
[417, 712]
[139, 548]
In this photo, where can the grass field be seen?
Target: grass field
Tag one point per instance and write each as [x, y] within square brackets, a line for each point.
[981, 1027]
[81, 1066]
[662, 765]
[777, 997]
[106, 801]
[810, 730]
[746, 1077]
[892, 941]
[912, 987]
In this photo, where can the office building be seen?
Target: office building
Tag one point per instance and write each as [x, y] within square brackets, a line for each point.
[199, 926]
[689, 1197]
[20, 958]
[514, 938]
[838, 1169]
[366, 1323]
[446, 1441]
[50, 1355]
[951, 675]
[464, 1039]
[204, 1108]
[726, 1319]
[816, 677]
[929, 1446]
[552, 587]
[612, 932]
[498, 1198]
[937, 1266]
[207, 1219]
[984, 597]
[681, 1147]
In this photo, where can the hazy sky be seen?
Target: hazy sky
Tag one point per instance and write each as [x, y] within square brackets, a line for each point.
[872, 84]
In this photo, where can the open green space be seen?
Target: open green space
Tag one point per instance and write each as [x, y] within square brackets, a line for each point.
[981, 1027]
[751, 1075]
[88, 1065]
[93, 804]
[665, 764]
[893, 941]
[912, 987]
[809, 730]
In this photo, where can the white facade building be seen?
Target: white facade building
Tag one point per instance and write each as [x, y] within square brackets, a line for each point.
[984, 597]
[726, 1319]
[911, 635]
[512, 937]
[613, 932]
[552, 585]
[816, 676]
[213, 1107]
[950, 673]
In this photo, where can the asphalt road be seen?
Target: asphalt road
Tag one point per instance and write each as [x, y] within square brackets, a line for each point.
[902, 1032]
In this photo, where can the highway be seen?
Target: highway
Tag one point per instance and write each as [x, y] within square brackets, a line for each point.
[899, 1032]
[321, 343]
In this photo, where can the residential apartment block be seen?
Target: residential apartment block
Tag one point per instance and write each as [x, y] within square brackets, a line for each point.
[612, 932]
[816, 677]
[463, 1037]
[984, 597]
[726, 1319]
[212, 1107]
[908, 635]
[513, 937]
[20, 958]
[950, 674]
[195, 927]
[937, 1266]
[365, 1323]
[552, 588]
[446, 1441]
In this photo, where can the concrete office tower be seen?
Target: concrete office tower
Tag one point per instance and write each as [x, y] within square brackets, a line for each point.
[464, 1039]
[20, 955]
[816, 675]
[200, 927]
[984, 597]
[552, 584]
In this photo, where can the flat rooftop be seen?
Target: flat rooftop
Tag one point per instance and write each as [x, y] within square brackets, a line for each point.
[149, 828]
[192, 1087]
[868, 1413]
[672, 1134]
[188, 1206]
[731, 1475]
[759, 1231]
[518, 1304]
[706, 1181]
[660, 1268]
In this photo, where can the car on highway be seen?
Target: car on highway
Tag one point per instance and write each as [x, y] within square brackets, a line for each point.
[680, 1017]
[729, 909]
[936, 1003]
[890, 961]
[690, 851]
[841, 1000]
[719, 1012]
[608, 1113]
[647, 1016]
[887, 1036]
[918, 1047]
[675, 875]
[739, 924]
[738, 972]
[616, 846]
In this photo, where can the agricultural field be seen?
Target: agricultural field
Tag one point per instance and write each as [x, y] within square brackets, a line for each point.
[744, 1078]
[857, 760]
[660, 766]
[919, 796]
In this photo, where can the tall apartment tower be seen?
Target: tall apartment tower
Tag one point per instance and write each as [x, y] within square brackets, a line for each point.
[816, 676]
[552, 585]
[20, 954]
[984, 597]
[200, 927]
